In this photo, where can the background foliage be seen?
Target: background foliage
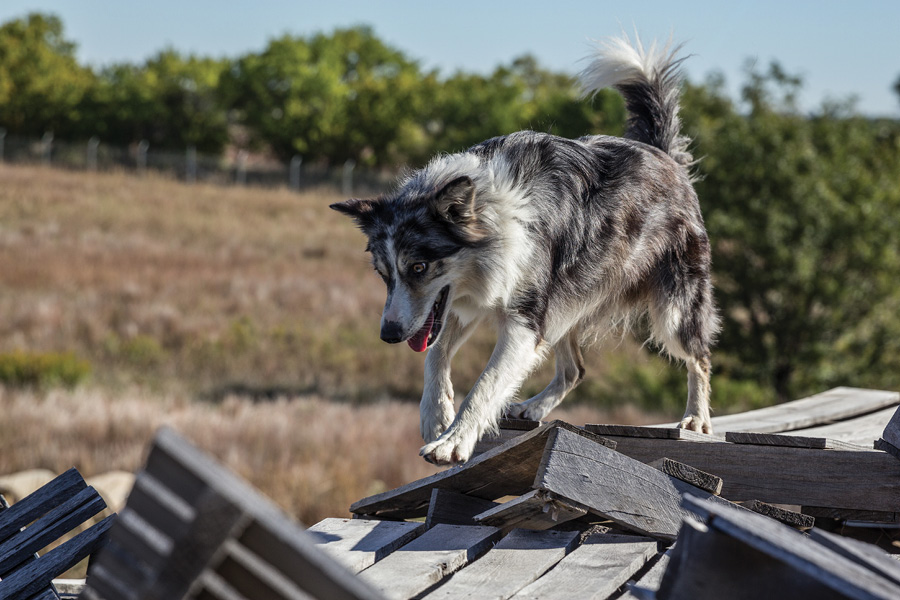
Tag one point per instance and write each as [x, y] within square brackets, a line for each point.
[803, 208]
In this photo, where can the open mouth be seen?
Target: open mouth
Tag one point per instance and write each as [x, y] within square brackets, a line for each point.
[429, 332]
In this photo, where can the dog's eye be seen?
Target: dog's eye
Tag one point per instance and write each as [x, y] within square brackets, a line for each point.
[419, 268]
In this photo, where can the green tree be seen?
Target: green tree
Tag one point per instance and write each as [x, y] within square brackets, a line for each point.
[802, 212]
[41, 83]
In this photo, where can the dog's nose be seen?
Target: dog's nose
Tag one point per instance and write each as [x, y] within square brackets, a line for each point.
[392, 332]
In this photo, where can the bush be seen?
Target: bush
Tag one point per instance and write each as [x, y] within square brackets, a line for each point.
[44, 369]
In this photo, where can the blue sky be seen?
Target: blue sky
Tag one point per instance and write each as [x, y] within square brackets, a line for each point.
[841, 49]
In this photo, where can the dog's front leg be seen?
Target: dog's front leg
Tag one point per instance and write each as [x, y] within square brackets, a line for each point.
[518, 350]
[436, 409]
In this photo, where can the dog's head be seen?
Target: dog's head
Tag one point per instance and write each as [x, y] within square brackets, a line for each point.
[415, 238]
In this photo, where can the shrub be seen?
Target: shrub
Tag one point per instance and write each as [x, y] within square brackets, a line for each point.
[46, 369]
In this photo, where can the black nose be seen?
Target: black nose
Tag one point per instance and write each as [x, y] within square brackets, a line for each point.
[392, 332]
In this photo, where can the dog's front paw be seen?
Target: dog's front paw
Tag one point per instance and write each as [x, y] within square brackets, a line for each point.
[434, 419]
[454, 447]
[696, 423]
[526, 410]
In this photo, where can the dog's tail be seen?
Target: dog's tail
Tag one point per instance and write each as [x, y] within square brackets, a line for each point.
[650, 82]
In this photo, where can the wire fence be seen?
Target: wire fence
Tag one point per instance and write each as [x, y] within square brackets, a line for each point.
[234, 168]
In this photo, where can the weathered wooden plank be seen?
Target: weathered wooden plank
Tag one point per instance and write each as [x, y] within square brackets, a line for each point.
[594, 570]
[33, 577]
[863, 480]
[519, 424]
[688, 474]
[358, 544]
[648, 582]
[453, 508]
[834, 405]
[536, 510]
[885, 446]
[868, 555]
[788, 517]
[253, 577]
[862, 430]
[428, 559]
[39, 502]
[665, 433]
[507, 470]
[516, 561]
[212, 587]
[809, 563]
[50, 527]
[891, 433]
[844, 514]
[631, 494]
[790, 441]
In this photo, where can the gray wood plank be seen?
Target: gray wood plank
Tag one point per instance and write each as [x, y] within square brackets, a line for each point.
[507, 470]
[516, 561]
[453, 508]
[688, 474]
[666, 433]
[862, 480]
[862, 430]
[844, 514]
[537, 510]
[649, 582]
[891, 433]
[594, 570]
[868, 555]
[885, 446]
[788, 517]
[796, 550]
[790, 441]
[424, 562]
[633, 495]
[358, 544]
[834, 405]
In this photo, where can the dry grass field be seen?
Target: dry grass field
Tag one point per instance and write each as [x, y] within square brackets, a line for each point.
[246, 318]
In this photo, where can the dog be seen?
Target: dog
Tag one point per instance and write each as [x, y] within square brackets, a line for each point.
[557, 242]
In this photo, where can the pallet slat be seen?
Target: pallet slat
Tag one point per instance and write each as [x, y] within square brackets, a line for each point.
[358, 544]
[537, 510]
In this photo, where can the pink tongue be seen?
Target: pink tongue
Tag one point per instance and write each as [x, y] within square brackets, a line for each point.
[419, 342]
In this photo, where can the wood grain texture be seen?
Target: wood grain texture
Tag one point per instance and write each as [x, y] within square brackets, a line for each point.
[537, 510]
[790, 441]
[844, 514]
[594, 570]
[802, 554]
[506, 470]
[358, 544]
[891, 433]
[837, 404]
[862, 430]
[427, 560]
[665, 433]
[649, 582]
[39, 502]
[788, 517]
[516, 561]
[453, 508]
[869, 556]
[633, 495]
[705, 481]
[863, 480]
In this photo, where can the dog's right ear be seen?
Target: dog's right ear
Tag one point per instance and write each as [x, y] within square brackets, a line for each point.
[455, 202]
[359, 209]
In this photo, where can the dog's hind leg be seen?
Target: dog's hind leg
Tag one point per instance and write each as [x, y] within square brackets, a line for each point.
[436, 410]
[696, 414]
[569, 373]
[517, 352]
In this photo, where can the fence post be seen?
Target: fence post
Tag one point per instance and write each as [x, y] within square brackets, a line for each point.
[241, 174]
[296, 161]
[191, 172]
[92, 146]
[142, 148]
[347, 179]
[2, 142]
[46, 147]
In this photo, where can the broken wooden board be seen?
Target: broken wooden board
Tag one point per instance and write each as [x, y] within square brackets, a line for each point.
[507, 470]
[723, 559]
[688, 474]
[516, 561]
[536, 510]
[834, 405]
[665, 433]
[609, 484]
[594, 570]
[790, 441]
[862, 430]
[453, 508]
[861, 480]
[788, 517]
[358, 544]
[427, 560]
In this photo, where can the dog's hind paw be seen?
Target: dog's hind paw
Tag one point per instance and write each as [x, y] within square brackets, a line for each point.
[525, 410]
[450, 449]
[696, 423]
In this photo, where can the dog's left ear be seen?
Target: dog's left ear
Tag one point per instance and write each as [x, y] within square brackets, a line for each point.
[455, 202]
[360, 210]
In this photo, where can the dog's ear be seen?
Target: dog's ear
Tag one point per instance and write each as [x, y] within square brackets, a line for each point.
[361, 210]
[455, 202]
